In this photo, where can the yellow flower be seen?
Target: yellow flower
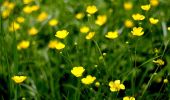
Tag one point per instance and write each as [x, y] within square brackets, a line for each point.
[128, 98]
[32, 31]
[97, 84]
[27, 1]
[128, 23]
[168, 28]
[138, 16]
[11, 6]
[14, 27]
[146, 7]
[77, 71]
[154, 2]
[112, 35]
[101, 19]
[62, 34]
[5, 3]
[165, 81]
[128, 5]
[91, 9]
[79, 15]
[137, 31]
[19, 79]
[159, 62]
[84, 29]
[5, 13]
[59, 45]
[27, 9]
[20, 19]
[35, 8]
[116, 86]
[88, 80]
[23, 45]
[90, 35]
[153, 21]
[53, 22]
[42, 16]
[52, 44]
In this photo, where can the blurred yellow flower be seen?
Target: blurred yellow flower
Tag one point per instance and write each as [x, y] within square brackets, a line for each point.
[128, 98]
[14, 26]
[32, 31]
[77, 71]
[27, 9]
[153, 21]
[42, 16]
[88, 80]
[79, 15]
[146, 7]
[60, 45]
[10, 6]
[53, 22]
[5, 3]
[159, 62]
[116, 86]
[137, 31]
[154, 2]
[168, 28]
[138, 16]
[84, 29]
[165, 81]
[112, 35]
[101, 19]
[20, 19]
[97, 84]
[91, 9]
[52, 44]
[23, 44]
[62, 34]
[19, 79]
[27, 1]
[128, 23]
[35, 8]
[90, 35]
[5, 13]
[128, 5]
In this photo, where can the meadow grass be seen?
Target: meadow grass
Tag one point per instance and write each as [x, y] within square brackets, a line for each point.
[37, 62]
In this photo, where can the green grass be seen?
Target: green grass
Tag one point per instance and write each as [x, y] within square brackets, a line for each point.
[128, 58]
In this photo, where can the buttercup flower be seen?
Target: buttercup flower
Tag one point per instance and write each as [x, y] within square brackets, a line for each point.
[88, 80]
[90, 35]
[84, 29]
[77, 71]
[6, 13]
[52, 44]
[35, 8]
[128, 98]
[42, 16]
[59, 45]
[53, 22]
[97, 84]
[79, 15]
[128, 23]
[138, 16]
[159, 62]
[62, 34]
[32, 31]
[112, 35]
[146, 7]
[27, 9]
[23, 45]
[165, 81]
[19, 79]
[128, 5]
[137, 31]
[20, 19]
[101, 19]
[154, 2]
[14, 26]
[27, 1]
[116, 86]
[168, 28]
[153, 21]
[91, 9]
